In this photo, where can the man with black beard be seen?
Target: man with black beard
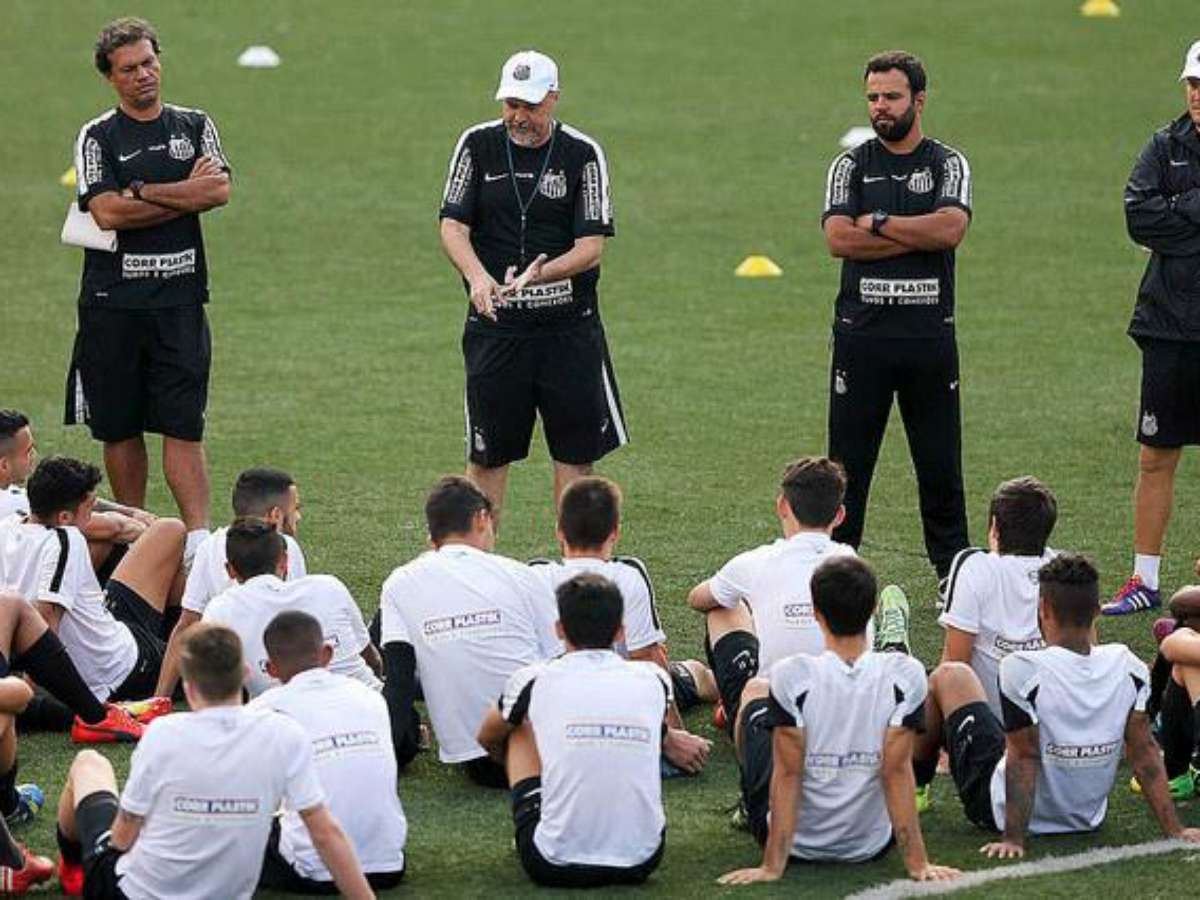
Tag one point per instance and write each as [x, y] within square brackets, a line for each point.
[895, 209]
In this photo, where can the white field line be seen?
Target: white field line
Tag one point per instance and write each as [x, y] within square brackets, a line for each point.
[1050, 865]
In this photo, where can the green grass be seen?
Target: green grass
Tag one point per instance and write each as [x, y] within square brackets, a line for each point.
[336, 319]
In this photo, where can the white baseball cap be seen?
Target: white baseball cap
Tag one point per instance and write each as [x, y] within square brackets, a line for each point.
[1191, 63]
[529, 76]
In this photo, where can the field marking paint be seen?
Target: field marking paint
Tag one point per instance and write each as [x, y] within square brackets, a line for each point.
[1050, 865]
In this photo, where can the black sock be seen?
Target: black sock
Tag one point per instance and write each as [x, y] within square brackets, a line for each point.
[44, 713]
[72, 851]
[10, 850]
[49, 665]
[1178, 733]
[8, 791]
[170, 619]
[924, 770]
[115, 555]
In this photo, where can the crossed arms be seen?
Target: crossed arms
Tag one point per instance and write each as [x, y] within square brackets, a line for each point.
[207, 187]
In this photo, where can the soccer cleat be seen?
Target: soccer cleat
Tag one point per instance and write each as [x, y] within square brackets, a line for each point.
[1181, 787]
[924, 797]
[37, 869]
[116, 727]
[1133, 597]
[30, 801]
[146, 711]
[1162, 628]
[70, 876]
[719, 718]
[892, 630]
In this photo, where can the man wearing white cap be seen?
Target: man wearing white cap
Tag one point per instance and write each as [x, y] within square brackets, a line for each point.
[525, 212]
[1162, 213]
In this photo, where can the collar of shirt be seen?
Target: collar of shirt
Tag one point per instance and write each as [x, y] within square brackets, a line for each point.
[314, 676]
[814, 539]
[266, 578]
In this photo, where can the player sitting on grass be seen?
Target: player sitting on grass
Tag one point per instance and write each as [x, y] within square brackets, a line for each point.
[258, 563]
[589, 526]
[347, 724]
[203, 789]
[466, 618]
[267, 494]
[1067, 712]
[580, 737]
[113, 635]
[825, 742]
[757, 608]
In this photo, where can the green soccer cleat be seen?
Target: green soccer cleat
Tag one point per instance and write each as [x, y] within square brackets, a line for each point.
[892, 623]
[1181, 787]
[924, 798]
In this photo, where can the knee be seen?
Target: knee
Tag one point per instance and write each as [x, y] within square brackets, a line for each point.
[169, 530]
[89, 761]
[1157, 461]
[948, 675]
[755, 689]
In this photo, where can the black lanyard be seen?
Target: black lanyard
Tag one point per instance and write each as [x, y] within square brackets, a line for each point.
[523, 205]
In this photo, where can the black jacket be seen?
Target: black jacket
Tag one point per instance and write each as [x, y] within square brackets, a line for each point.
[1162, 213]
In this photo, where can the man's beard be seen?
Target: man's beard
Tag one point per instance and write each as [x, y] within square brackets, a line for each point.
[899, 128]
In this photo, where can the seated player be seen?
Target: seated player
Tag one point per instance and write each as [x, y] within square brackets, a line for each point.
[757, 608]
[580, 736]
[991, 601]
[348, 727]
[258, 563]
[113, 635]
[1175, 692]
[1067, 712]
[267, 494]
[465, 618]
[203, 788]
[825, 742]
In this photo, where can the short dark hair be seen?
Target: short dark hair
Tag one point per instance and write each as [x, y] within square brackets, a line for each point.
[259, 489]
[814, 487]
[120, 32]
[60, 484]
[211, 661]
[911, 66]
[253, 547]
[843, 592]
[11, 422]
[590, 608]
[1070, 584]
[1025, 511]
[589, 511]
[452, 505]
[294, 640]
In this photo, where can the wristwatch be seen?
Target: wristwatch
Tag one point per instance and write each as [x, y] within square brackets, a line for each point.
[877, 219]
[135, 188]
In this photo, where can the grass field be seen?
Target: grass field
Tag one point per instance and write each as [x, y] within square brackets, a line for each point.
[336, 319]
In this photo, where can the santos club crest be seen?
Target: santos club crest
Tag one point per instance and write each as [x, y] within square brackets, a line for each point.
[921, 181]
[554, 185]
[181, 148]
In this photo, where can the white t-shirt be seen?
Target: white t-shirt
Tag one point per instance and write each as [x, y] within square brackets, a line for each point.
[208, 784]
[995, 598]
[774, 580]
[13, 500]
[1081, 705]
[845, 711]
[52, 565]
[351, 737]
[249, 607]
[208, 576]
[598, 723]
[473, 618]
[628, 573]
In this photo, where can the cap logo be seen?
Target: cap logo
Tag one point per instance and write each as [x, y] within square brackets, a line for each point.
[520, 72]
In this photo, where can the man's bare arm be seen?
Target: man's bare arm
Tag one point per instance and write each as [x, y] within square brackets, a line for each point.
[958, 645]
[51, 612]
[1146, 761]
[336, 852]
[168, 674]
[1024, 759]
[899, 792]
[125, 830]
[493, 734]
[942, 229]
[846, 240]
[124, 213]
[701, 598]
[456, 242]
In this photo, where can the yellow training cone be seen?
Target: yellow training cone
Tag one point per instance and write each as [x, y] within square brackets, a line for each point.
[758, 267]
[1100, 9]
[67, 178]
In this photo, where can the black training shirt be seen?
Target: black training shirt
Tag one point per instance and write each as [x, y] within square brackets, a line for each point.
[565, 185]
[906, 296]
[162, 265]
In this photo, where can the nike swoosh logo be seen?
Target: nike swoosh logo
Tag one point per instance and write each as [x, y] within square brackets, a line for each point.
[1179, 162]
[867, 179]
[487, 177]
[123, 158]
[965, 722]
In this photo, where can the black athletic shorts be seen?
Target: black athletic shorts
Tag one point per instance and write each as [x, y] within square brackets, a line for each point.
[1169, 410]
[93, 821]
[564, 376]
[486, 772]
[278, 874]
[145, 624]
[734, 661]
[757, 764]
[975, 741]
[134, 371]
[527, 812]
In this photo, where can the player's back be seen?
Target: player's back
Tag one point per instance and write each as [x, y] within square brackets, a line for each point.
[209, 577]
[24, 555]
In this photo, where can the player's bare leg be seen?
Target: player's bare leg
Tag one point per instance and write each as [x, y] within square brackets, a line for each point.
[564, 474]
[1153, 496]
[127, 467]
[153, 562]
[186, 470]
[755, 689]
[722, 621]
[492, 480]
[521, 757]
[90, 773]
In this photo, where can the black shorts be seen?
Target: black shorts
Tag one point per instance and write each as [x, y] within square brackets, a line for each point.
[1169, 410]
[93, 821]
[278, 874]
[134, 371]
[734, 661]
[564, 376]
[975, 741]
[527, 812]
[757, 763]
[486, 772]
[145, 624]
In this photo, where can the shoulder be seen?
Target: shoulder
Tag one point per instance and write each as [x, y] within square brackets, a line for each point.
[580, 140]
[1124, 658]
[1019, 667]
[797, 669]
[906, 671]
[293, 545]
[633, 566]
[473, 133]
[327, 583]
[98, 125]
[643, 669]
[189, 114]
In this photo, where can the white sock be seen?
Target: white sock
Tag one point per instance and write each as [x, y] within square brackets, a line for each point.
[1146, 567]
[194, 539]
